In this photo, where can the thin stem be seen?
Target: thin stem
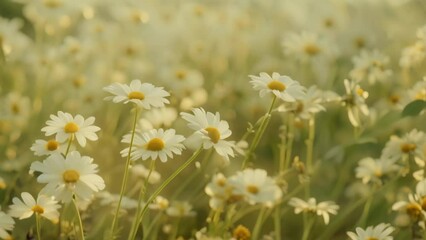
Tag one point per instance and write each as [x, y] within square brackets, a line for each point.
[364, 216]
[258, 224]
[310, 144]
[163, 185]
[308, 227]
[258, 134]
[175, 229]
[70, 139]
[38, 226]
[290, 138]
[125, 177]
[80, 223]
[277, 222]
[283, 148]
[141, 197]
[151, 226]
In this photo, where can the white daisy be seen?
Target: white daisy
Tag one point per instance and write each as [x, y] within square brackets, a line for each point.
[411, 143]
[43, 147]
[6, 224]
[108, 199]
[65, 177]
[355, 102]
[305, 46]
[374, 170]
[160, 203]
[370, 66]
[154, 144]
[141, 172]
[321, 209]
[413, 207]
[44, 206]
[145, 95]
[64, 125]
[379, 232]
[219, 190]
[180, 209]
[256, 187]
[281, 86]
[211, 130]
[418, 91]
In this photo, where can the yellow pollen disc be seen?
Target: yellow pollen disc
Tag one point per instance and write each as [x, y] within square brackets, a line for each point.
[180, 74]
[311, 49]
[221, 182]
[71, 127]
[413, 210]
[213, 133]
[276, 85]
[38, 209]
[378, 173]
[359, 42]
[155, 144]
[52, 145]
[424, 203]
[394, 99]
[252, 189]
[359, 91]
[241, 233]
[71, 176]
[52, 3]
[408, 147]
[136, 95]
[372, 238]
[421, 95]
[15, 108]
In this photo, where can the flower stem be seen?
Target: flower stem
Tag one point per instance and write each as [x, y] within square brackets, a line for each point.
[364, 216]
[258, 134]
[141, 197]
[277, 221]
[38, 226]
[163, 185]
[310, 145]
[289, 141]
[70, 139]
[308, 227]
[125, 177]
[80, 223]
[258, 224]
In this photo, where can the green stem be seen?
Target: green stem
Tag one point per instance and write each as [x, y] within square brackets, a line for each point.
[364, 216]
[310, 145]
[258, 134]
[277, 222]
[151, 226]
[163, 185]
[290, 138]
[125, 177]
[80, 223]
[141, 197]
[283, 148]
[308, 227]
[175, 230]
[70, 139]
[258, 224]
[38, 226]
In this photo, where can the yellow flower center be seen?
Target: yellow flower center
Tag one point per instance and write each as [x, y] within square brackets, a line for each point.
[52, 145]
[360, 91]
[221, 182]
[52, 3]
[71, 127]
[394, 99]
[213, 133]
[38, 209]
[372, 238]
[413, 210]
[180, 74]
[252, 189]
[424, 203]
[71, 176]
[408, 147]
[155, 144]
[378, 173]
[241, 233]
[276, 85]
[136, 95]
[15, 108]
[421, 95]
[312, 49]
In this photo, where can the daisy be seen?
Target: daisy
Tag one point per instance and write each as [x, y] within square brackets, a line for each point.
[370, 66]
[180, 209]
[44, 206]
[141, 172]
[355, 102]
[211, 130]
[281, 86]
[219, 190]
[6, 224]
[144, 95]
[418, 91]
[379, 232]
[374, 170]
[160, 203]
[321, 209]
[64, 125]
[305, 46]
[65, 177]
[411, 143]
[43, 147]
[256, 187]
[108, 199]
[154, 144]
[413, 207]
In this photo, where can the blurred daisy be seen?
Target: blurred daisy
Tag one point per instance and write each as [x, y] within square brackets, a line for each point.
[321, 209]
[379, 232]
[305, 107]
[145, 95]
[180, 209]
[44, 206]
[354, 100]
[160, 203]
[412, 143]
[241, 233]
[418, 91]
[370, 66]
[256, 187]
[140, 171]
[305, 46]
[157, 118]
[414, 207]
[413, 55]
[43, 147]
[65, 177]
[211, 130]
[154, 144]
[108, 199]
[281, 86]
[64, 125]
[6, 224]
[219, 190]
[374, 170]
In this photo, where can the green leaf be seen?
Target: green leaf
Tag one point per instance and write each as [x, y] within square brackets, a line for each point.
[414, 108]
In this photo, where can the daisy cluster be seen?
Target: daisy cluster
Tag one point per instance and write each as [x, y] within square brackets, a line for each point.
[212, 119]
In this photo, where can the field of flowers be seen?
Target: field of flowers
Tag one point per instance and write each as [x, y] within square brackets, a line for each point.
[211, 120]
